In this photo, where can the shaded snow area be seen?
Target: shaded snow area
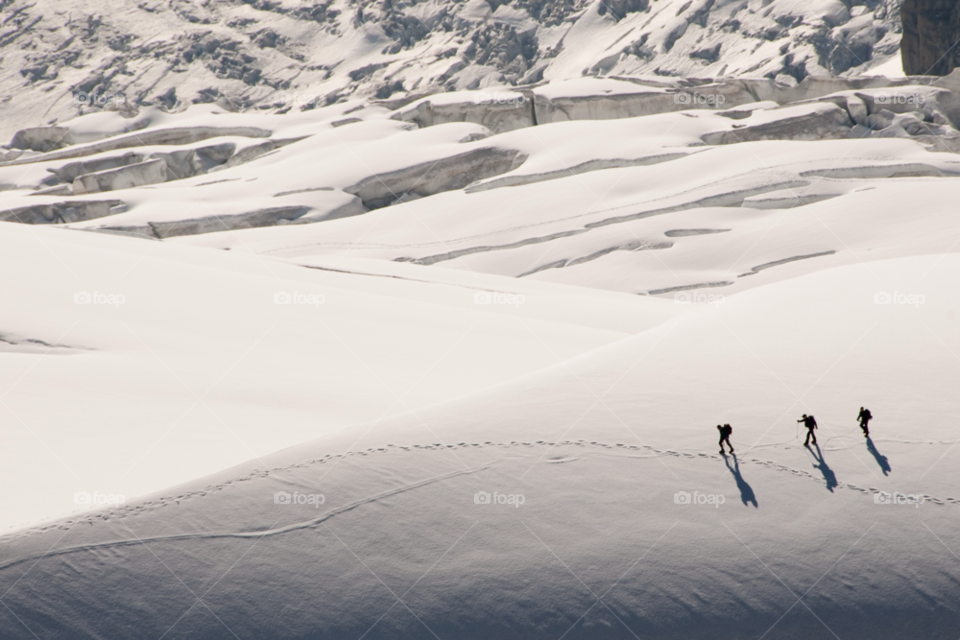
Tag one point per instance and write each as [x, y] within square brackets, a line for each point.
[451, 366]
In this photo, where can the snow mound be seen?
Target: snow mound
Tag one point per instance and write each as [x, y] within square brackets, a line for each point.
[584, 500]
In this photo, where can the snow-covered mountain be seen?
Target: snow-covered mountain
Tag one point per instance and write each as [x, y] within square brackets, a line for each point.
[64, 58]
[441, 353]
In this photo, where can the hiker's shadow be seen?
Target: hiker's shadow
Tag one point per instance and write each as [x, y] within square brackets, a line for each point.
[881, 459]
[746, 491]
[828, 474]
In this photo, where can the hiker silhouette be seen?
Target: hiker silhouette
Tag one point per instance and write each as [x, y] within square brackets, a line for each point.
[725, 432]
[746, 491]
[810, 423]
[865, 417]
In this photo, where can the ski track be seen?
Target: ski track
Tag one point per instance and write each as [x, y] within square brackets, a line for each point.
[601, 448]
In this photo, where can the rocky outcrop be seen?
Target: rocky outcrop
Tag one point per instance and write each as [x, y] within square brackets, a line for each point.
[180, 164]
[931, 32]
[257, 55]
[186, 163]
[826, 121]
[428, 178]
[598, 164]
[209, 224]
[255, 151]
[167, 136]
[60, 212]
[497, 111]
[41, 138]
[128, 177]
[69, 172]
[643, 102]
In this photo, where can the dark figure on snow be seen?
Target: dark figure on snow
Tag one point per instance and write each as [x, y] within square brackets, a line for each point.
[810, 423]
[865, 417]
[725, 432]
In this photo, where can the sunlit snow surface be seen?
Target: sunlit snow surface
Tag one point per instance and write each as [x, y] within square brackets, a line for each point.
[556, 316]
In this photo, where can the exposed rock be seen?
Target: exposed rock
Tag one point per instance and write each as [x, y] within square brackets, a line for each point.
[787, 199]
[827, 121]
[857, 109]
[42, 138]
[428, 178]
[684, 233]
[249, 153]
[630, 245]
[255, 151]
[908, 99]
[776, 263]
[881, 120]
[183, 163]
[186, 163]
[499, 112]
[128, 177]
[60, 212]
[249, 220]
[875, 171]
[690, 287]
[709, 54]
[620, 8]
[257, 48]
[745, 111]
[69, 171]
[931, 30]
[815, 87]
[58, 190]
[168, 136]
[584, 167]
[340, 123]
[641, 103]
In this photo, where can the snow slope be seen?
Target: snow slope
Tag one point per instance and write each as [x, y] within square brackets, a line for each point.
[439, 350]
[181, 363]
[592, 454]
